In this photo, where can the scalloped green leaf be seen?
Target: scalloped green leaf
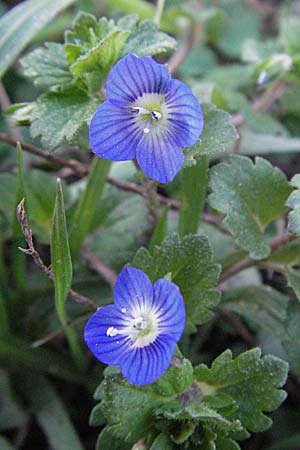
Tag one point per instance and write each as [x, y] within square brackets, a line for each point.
[47, 67]
[293, 202]
[188, 262]
[252, 380]
[218, 134]
[290, 339]
[147, 40]
[59, 117]
[251, 195]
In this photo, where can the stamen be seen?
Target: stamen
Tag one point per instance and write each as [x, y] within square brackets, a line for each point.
[147, 129]
[112, 331]
[155, 115]
[140, 110]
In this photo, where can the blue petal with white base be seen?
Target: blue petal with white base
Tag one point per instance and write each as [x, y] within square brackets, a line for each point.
[147, 116]
[140, 331]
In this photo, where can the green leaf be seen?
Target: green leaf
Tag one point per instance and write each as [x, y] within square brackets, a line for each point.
[4, 444]
[107, 439]
[251, 196]
[59, 117]
[240, 23]
[290, 339]
[147, 40]
[121, 401]
[60, 254]
[160, 231]
[11, 413]
[50, 413]
[293, 278]
[193, 193]
[121, 226]
[162, 442]
[62, 269]
[263, 308]
[18, 258]
[47, 66]
[290, 34]
[189, 263]
[251, 379]
[293, 202]
[85, 210]
[93, 47]
[218, 135]
[17, 352]
[22, 23]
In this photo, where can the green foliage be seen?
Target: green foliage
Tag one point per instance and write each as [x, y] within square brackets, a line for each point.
[85, 210]
[147, 40]
[293, 202]
[22, 23]
[59, 117]
[218, 135]
[160, 231]
[290, 343]
[11, 413]
[223, 57]
[188, 263]
[251, 196]
[251, 380]
[47, 67]
[193, 193]
[51, 414]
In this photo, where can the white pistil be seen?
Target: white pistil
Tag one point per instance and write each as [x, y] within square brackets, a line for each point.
[146, 130]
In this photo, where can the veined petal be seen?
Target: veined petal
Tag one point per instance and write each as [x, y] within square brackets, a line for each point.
[144, 365]
[107, 348]
[133, 290]
[134, 76]
[113, 132]
[170, 311]
[159, 156]
[185, 117]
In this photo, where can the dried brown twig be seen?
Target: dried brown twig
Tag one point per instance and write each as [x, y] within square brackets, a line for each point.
[31, 250]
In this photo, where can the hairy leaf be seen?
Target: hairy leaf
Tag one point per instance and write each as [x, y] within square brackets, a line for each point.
[189, 264]
[251, 196]
[293, 202]
[47, 66]
[59, 117]
[147, 40]
[290, 339]
[252, 380]
[218, 135]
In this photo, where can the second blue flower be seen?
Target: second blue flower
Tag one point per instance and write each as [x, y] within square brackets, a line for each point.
[148, 116]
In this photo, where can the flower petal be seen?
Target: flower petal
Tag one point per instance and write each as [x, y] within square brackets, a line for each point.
[185, 117]
[113, 132]
[144, 365]
[134, 76]
[108, 349]
[170, 309]
[133, 290]
[159, 156]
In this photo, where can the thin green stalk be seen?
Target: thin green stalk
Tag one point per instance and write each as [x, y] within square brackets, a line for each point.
[158, 12]
[193, 188]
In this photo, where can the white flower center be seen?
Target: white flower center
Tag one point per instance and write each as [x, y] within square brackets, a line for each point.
[142, 329]
[150, 110]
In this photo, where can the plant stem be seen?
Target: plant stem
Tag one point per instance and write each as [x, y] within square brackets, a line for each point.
[158, 12]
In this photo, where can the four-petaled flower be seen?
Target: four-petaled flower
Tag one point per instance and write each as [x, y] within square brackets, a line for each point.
[147, 116]
[139, 332]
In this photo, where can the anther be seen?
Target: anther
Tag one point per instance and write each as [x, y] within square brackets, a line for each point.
[155, 115]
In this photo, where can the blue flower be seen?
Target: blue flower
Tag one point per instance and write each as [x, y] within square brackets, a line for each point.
[139, 332]
[147, 116]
